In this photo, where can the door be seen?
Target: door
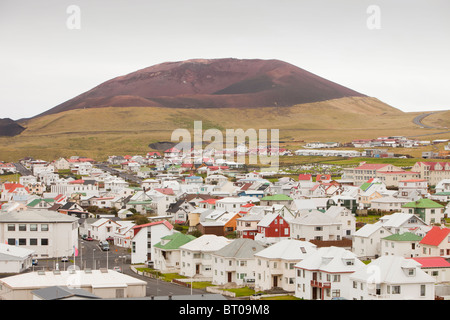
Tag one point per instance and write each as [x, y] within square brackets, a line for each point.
[197, 269]
[275, 281]
[229, 276]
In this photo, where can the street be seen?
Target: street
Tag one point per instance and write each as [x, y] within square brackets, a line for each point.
[91, 256]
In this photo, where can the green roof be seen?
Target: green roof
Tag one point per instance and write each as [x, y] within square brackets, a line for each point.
[36, 201]
[140, 202]
[176, 240]
[406, 236]
[442, 194]
[276, 197]
[422, 203]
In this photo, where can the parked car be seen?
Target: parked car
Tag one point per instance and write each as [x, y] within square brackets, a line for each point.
[65, 259]
[84, 236]
[34, 262]
[118, 269]
[110, 239]
[89, 239]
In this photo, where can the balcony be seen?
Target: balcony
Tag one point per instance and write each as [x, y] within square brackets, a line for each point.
[319, 284]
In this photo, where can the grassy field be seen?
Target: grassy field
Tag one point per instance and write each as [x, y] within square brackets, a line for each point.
[100, 132]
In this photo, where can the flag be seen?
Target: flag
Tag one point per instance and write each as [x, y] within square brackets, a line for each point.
[75, 251]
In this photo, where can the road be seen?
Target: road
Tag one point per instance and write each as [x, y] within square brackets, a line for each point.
[123, 175]
[22, 170]
[418, 120]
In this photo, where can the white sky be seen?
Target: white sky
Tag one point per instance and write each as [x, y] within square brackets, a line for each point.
[405, 63]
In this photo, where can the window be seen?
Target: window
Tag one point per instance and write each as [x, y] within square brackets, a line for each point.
[11, 227]
[12, 241]
[33, 242]
[336, 293]
[22, 227]
[336, 278]
[422, 290]
[44, 227]
[395, 289]
[355, 284]
[33, 227]
[44, 242]
[22, 242]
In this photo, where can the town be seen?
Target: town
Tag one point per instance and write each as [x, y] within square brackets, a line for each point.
[78, 228]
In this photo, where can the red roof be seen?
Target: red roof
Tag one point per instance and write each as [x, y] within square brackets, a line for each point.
[435, 236]
[372, 166]
[164, 222]
[166, 191]
[413, 180]
[210, 201]
[432, 262]
[247, 205]
[79, 181]
[304, 177]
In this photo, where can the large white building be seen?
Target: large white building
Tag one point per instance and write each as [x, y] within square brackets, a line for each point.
[49, 233]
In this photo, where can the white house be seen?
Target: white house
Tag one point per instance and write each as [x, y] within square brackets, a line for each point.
[196, 255]
[167, 258]
[235, 263]
[324, 274]
[388, 204]
[405, 245]
[392, 278]
[14, 259]
[144, 239]
[366, 242]
[275, 264]
[103, 228]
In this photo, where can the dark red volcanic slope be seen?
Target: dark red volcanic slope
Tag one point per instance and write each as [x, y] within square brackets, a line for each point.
[211, 83]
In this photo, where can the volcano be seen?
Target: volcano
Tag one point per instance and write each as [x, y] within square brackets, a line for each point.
[210, 83]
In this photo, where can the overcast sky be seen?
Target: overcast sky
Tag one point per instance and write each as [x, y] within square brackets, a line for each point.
[395, 50]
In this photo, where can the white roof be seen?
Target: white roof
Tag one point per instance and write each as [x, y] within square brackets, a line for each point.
[331, 259]
[390, 199]
[391, 269]
[288, 249]
[8, 252]
[368, 229]
[207, 242]
[96, 278]
[397, 219]
[314, 217]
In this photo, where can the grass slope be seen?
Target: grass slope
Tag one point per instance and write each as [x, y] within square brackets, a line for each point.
[100, 132]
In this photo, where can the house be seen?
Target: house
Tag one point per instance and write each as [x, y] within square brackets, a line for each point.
[10, 190]
[276, 199]
[436, 243]
[41, 203]
[413, 189]
[50, 234]
[392, 278]
[104, 228]
[433, 172]
[442, 186]
[219, 222]
[369, 191]
[437, 267]
[196, 255]
[272, 227]
[428, 210]
[247, 225]
[388, 204]
[14, 259]
[106, 284]
[366, 242]
[123, 234]
[387, 173]
[324, 274]
[145, 237]
[316, 225]
[179, 210]
[404, 244]
[168, 254]
[399, 222]
[275, 264]
[235, 263]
